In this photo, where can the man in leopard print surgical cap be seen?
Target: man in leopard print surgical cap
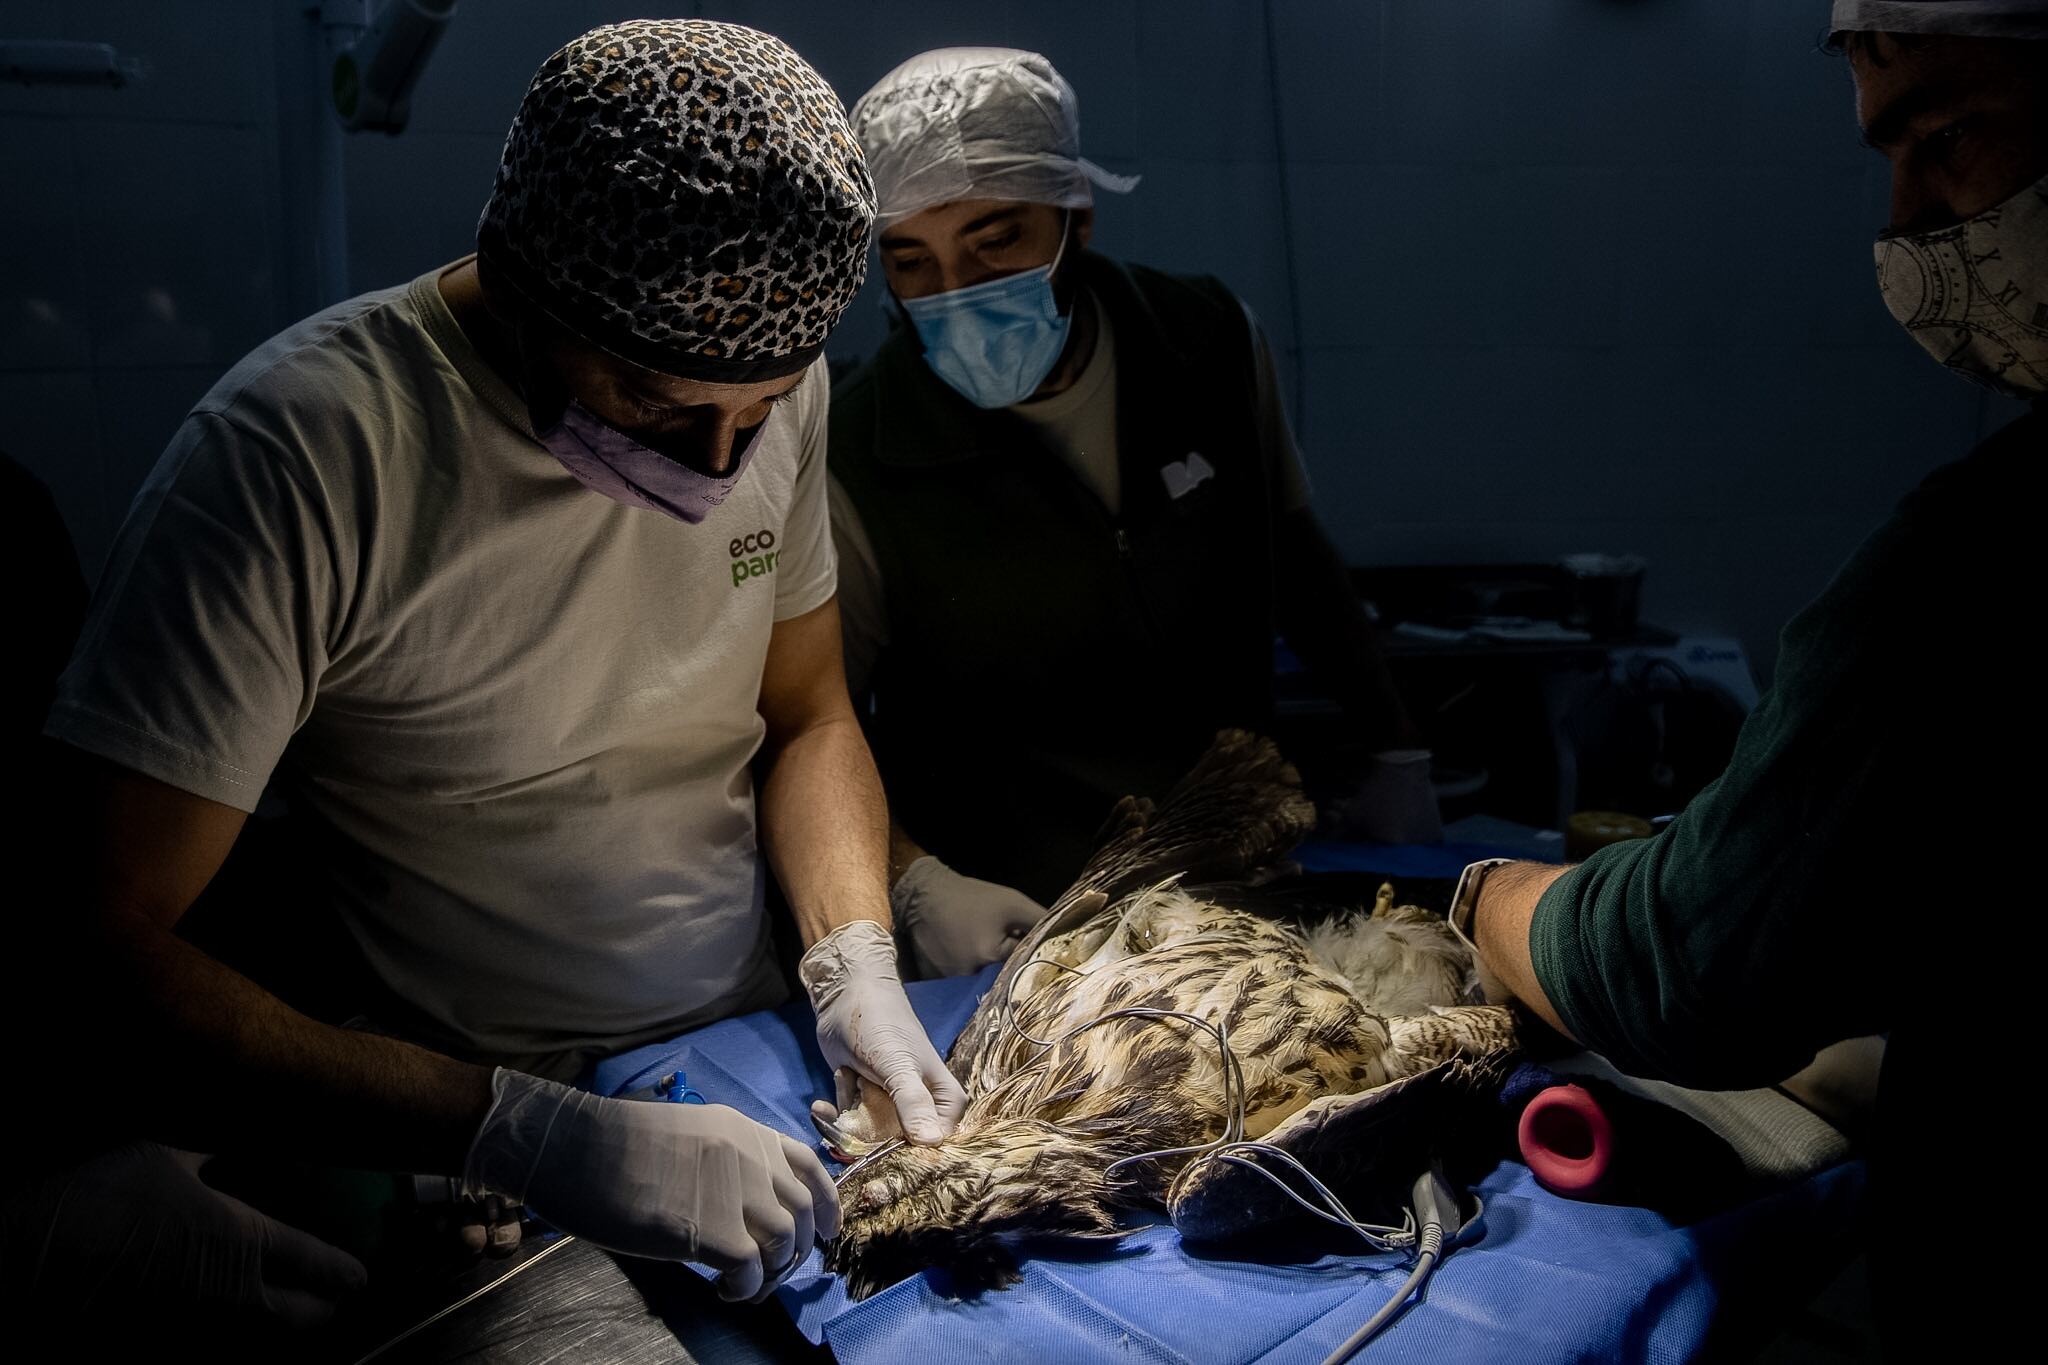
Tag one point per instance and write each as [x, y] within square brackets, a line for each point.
[515, 582]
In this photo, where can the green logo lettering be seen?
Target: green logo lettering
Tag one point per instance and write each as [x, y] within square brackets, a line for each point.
[746, 563]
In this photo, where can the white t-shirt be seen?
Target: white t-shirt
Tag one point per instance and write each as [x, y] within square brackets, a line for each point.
[526, 711]
[1079, 422]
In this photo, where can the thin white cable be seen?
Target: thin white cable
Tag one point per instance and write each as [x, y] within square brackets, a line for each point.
[1231, 1146]
[1226, 1145]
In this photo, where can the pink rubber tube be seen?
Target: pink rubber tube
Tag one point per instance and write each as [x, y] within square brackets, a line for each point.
[1567, 1140]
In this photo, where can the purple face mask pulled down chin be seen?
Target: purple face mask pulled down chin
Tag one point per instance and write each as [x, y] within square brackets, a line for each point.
[608, 461]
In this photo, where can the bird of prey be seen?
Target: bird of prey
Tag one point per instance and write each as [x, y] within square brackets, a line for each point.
[1161, 1033]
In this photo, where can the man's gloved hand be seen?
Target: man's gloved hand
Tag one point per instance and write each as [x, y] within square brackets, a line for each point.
[678, 1182]
[865, 1025]
[136, 1228]
[958, 924]
[1393, 803]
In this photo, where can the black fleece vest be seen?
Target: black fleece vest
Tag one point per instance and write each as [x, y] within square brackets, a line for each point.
[1044, 657]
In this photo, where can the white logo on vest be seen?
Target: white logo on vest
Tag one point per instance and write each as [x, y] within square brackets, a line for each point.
[1184, 476]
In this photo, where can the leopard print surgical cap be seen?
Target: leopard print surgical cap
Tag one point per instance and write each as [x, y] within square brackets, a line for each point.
[686, 195]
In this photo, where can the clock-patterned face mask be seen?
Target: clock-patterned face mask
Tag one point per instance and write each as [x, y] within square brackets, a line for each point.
[1975, 295]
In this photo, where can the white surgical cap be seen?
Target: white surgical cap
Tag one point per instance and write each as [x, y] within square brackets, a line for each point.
[976, 123]
[1962, 18]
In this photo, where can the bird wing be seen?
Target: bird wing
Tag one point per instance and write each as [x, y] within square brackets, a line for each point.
[1239, 809]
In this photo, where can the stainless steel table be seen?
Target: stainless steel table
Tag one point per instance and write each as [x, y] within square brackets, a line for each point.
[560, 1299]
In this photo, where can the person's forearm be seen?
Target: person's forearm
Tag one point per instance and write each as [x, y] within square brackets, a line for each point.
[1322, 620]
[230, 1067]
[156, 1039]
[825, 827]
[1500, 928]
[903, 850]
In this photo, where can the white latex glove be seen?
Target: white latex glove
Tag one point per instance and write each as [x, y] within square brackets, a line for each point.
[136, 1229]
[1393, 803]
[958, 924]
[865, 1025]
[676, 1182]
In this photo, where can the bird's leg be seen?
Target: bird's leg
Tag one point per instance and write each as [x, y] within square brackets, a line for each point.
[863, 1120]
[1468, 1031]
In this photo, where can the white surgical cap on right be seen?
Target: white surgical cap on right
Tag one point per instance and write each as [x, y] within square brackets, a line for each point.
[1960, 18]
[976, 123]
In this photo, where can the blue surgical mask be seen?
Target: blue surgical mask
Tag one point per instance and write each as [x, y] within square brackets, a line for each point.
[994, 342]
[608, 461]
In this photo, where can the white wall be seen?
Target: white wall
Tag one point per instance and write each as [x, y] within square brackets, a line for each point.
[1573, 274]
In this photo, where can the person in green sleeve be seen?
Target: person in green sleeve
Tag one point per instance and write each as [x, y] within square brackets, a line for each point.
[1847, 876]
[1070, 515]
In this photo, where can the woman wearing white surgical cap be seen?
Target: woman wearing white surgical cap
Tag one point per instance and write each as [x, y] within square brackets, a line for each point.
[1070, 513]
[1852, 873]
